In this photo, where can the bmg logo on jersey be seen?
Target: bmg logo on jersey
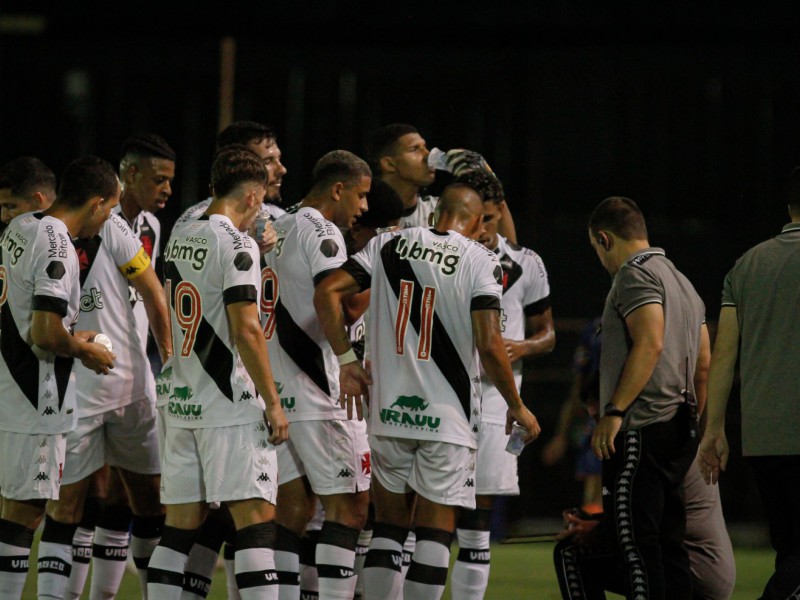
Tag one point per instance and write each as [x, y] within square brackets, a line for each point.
[91, 300]
[448, 262]
[184, 251]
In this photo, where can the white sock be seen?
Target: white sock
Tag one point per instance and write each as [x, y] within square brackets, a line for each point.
[470, 576]
[427, 574]
[145, 534]
[255, 562]
[408, 549]
[15, 551]
[168, 563]
[287, 563]
[203, 559]
[229, 558]
[336, 555]
[362, 546]
[383, 577]
[55, 559]
[109, 552]
[309, 578]
[81, 556]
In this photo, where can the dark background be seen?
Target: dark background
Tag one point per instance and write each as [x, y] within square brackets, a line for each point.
[691, 111]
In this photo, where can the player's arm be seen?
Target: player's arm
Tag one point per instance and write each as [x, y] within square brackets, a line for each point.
[48, 333]
[355, 306]
[541, 337]
[249, 339]
[505, 226]
[646, 329]
[492, 352]
[701, 370]
[328, 296]
[714, 449]
[155, 305]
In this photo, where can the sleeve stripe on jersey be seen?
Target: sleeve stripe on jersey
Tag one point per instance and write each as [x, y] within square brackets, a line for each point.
[305, 353]
[239, 293]
[641, 304]
[322, 275]
[443, 350]
[484, 303]
[359, 273]
[50, 304]
[136, 266]
[538, 307]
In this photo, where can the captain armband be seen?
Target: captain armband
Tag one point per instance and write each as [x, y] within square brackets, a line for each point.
[135, 266]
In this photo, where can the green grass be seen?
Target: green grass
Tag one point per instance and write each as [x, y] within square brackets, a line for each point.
[518, 571]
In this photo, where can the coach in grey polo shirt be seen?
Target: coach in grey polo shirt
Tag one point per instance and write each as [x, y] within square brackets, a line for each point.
[761, 308]
[653, 362]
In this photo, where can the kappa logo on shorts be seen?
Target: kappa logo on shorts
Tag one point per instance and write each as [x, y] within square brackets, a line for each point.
[41, 477]
[41, 460]
[48, 411]
[263, 477]
[345, 473]
[245, 396]
[43, 444]
[474, 429]
[47, 394]
[469, 483]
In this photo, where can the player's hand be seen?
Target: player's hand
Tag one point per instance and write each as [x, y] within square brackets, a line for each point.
[554, 450]
[514, 348]
[84, 336]
[461, 160]
[96, 357]
[525, 418]
[603, 437]
[713, 452]
[575, 527]
[278, 424]
[268, 239]
[354, 385]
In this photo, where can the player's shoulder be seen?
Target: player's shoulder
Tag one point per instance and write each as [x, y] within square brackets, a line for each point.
[116, 226]
[478, 250]
[311, 222]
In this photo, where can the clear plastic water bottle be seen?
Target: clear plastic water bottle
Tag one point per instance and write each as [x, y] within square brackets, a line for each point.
[260, 223]
[437, 160]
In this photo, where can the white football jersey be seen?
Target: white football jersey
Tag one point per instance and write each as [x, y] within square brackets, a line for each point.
[195, 210]
[425, 285]
[108, 262]
[147, 229]
[305, 368]
[420, 216]
[208, 264]
[38, 271]
[526, 292]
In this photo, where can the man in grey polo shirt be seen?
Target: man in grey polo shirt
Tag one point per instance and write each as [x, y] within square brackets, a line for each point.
[653, 364]
[760, 303]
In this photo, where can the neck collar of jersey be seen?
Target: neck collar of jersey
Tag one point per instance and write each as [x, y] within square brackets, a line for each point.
[789, 227]
[646, 252]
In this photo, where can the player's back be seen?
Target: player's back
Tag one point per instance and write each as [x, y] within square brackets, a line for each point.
[425, 285]
[306, 371]
[208, 264]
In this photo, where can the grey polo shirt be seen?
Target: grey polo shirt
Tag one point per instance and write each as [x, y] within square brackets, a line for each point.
[764, 286]
[649, 277]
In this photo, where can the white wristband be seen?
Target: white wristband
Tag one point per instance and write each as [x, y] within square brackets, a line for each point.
[347, 357]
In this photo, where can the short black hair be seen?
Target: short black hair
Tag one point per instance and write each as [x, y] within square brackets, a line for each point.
[384, 203]
[621, 216]
[244, 132]
[382, 142]
[486, 184]
[26, 175]
[339, 165]
[86, 178]
[146, 145]
[233, 166]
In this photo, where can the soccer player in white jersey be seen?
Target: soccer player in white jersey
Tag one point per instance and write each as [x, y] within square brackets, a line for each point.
[260, 139]
[115, 412]
[435, 300]
[327, 454]
[222, 397]
[39, 303]
[526, 324]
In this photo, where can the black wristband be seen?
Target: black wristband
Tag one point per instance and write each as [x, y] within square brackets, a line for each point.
[611, 410]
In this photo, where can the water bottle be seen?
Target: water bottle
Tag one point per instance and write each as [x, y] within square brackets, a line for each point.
[437, 160]
[260, 223]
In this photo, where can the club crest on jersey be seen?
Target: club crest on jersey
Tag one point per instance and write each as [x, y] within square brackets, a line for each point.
[440, 257]
[186, 251]
[402, 418]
